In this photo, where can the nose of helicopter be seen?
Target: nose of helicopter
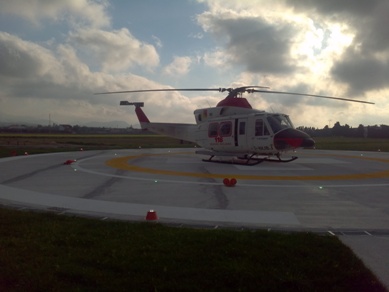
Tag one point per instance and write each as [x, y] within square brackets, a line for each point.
[291, 139]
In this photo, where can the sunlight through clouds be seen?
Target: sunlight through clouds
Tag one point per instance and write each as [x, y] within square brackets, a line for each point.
[57, 54]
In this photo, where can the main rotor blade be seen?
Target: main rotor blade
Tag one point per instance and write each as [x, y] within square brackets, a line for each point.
[238, 89]
[166, 89]
[313, 95]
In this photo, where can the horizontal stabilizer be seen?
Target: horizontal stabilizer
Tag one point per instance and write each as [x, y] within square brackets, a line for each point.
[137, 104]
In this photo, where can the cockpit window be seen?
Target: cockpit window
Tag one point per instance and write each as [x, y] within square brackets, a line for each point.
[279, 122]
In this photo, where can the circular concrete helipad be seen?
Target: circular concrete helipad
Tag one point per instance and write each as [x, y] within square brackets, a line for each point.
[329, 190]
[339, 192]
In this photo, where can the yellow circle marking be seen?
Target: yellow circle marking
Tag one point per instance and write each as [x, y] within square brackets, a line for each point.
[123, 164]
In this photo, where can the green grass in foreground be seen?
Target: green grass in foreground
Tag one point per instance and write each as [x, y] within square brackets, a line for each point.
[47, 252]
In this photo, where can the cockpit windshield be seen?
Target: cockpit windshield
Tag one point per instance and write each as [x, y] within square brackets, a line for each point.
[279, 122]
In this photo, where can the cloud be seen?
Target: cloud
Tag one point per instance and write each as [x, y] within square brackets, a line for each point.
[252, 42]
[115, 50]
[198, 35]
[217, 59]
[364, 65]
[157, 41]
[17, 59]
[74, 11]
[337, 48]
[362, 73]
[180, 66]
[36, 82]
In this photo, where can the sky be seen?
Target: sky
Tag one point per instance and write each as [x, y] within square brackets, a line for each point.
[54, 55]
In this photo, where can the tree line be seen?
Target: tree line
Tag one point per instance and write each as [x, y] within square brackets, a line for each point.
[376, 131]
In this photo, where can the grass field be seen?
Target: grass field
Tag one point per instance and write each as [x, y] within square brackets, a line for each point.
[360, 144]
[42, 143]
[48, 252]
[38, 143]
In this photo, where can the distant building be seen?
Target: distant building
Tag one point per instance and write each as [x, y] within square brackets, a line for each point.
[65, 128]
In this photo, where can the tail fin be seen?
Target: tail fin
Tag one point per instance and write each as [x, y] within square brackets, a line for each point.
[139, 112]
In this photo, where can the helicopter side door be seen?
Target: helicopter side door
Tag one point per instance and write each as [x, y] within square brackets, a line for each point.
[260, 135]
[241, 126]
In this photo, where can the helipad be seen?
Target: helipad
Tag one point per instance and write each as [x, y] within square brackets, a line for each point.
[326, 190]
[337, 192]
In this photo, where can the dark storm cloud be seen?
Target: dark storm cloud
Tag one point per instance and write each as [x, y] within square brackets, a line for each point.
[335, 7]
[365, 64]
[362, 73]
[255, 44]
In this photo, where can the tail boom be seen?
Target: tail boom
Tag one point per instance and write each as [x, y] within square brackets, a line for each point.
[179, 131]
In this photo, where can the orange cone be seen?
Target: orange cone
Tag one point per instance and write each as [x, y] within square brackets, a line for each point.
[151, 216]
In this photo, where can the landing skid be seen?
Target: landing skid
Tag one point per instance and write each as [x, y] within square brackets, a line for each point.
[250, 161]
[279, 159]
[234, 161]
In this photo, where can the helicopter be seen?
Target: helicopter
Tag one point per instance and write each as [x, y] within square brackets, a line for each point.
[232, 131]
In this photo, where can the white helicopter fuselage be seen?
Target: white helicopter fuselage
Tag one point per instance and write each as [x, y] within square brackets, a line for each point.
[235, 130]
[229, 130]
